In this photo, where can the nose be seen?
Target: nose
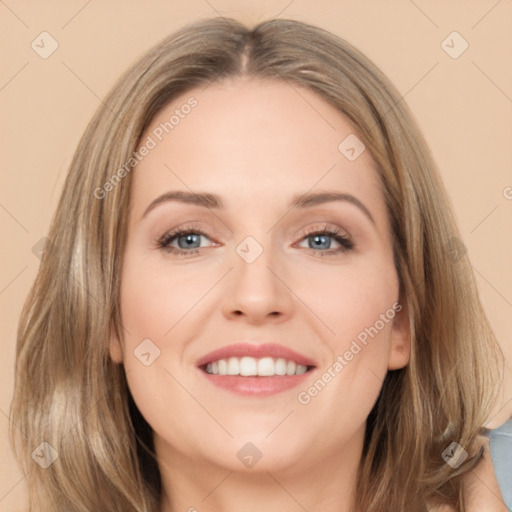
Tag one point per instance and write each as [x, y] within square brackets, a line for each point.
[258, 292]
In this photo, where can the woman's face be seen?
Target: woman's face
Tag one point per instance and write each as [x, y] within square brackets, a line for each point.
[253, 286]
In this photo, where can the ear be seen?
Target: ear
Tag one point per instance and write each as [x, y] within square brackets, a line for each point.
[115, 346]
[400, 348]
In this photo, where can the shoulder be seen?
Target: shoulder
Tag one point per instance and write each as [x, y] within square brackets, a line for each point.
[481, 487]
[500, 447]
[484, 485]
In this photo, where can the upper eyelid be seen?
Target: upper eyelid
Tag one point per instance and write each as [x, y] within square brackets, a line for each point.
[322, 225]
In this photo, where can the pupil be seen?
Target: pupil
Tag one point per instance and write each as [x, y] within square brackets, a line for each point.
[318, 238]
[188, 238]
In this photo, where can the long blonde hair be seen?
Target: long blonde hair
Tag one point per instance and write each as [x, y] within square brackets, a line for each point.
[69, 393]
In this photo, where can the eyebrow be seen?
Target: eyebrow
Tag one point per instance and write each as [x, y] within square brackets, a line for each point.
[214, 201]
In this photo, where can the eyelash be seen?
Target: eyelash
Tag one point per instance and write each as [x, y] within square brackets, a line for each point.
[345, 242]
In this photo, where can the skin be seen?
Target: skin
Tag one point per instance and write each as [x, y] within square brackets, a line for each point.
[256, 144]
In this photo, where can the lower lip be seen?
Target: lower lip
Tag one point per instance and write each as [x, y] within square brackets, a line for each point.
[256, 386]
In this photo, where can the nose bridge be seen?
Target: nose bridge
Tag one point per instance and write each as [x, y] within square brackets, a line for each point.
[258, 289]
[255, 258]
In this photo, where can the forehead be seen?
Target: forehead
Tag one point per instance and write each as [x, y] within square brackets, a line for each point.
[252, 138]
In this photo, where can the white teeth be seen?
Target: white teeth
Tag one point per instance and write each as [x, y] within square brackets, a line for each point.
[300, 369]
[280, 366]
[223, 367]
[250, 367]
[266, 367]
[233, 366]
[290, 368]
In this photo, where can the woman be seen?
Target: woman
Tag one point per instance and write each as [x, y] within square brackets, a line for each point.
[323, 347]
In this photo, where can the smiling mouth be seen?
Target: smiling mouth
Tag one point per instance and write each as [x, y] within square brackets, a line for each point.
[255, 367]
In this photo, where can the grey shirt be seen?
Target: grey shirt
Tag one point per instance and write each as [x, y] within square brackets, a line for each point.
[500, 444]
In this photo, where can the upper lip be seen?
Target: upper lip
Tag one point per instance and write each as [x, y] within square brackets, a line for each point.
[257, 351]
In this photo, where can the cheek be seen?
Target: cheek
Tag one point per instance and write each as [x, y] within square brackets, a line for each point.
[357, 306]
[351, 299]
[154, 299]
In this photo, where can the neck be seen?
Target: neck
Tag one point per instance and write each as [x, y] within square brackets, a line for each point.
[321, 484]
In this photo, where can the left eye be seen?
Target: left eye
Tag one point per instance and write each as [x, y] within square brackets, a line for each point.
[320, 240]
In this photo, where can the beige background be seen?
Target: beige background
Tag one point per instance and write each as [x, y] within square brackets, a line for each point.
[464, 106]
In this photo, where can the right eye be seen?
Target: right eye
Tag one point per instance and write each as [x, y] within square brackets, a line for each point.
[187, 240]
